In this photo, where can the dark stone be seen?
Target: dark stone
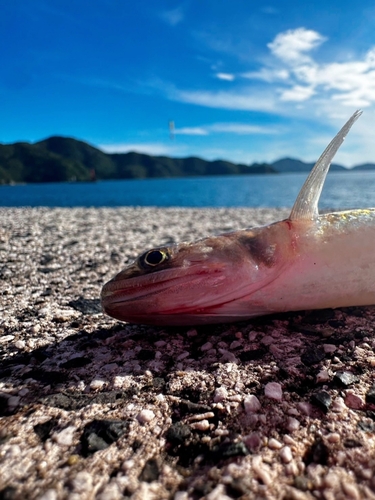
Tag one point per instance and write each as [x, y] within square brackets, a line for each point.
[345, 378]
[78, 401]
[177, 433]
[321, 399]
[150, 471]
[86, 306]
[239, 487]
[336, 323]
[252, 355]
[312, 355]
[360, 335]
[40, 354]
[158, 383]
[189, 407]
[46, 377]
[77, 362]
[8, 493]
[319, 316]
[366, 425]
[136, 445]
[146, 354]
[370, 396]
[43, 431]
[352, 443]
[318, 453]
[227, 450]
[99, 434]
[4, 409]
[7, 372]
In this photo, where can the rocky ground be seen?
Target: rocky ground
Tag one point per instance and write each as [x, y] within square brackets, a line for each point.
[279, 407]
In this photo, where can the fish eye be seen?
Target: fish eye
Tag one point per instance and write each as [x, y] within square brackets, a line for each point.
[153, 258]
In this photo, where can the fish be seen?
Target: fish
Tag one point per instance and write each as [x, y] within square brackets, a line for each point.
[305, 262]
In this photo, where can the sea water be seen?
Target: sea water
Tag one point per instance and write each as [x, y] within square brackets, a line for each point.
[341, 190]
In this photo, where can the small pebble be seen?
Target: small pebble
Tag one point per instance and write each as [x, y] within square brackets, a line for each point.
[97, 384]
[273, 390]
[253, 442]
[286, 454]
[65, 437]
[206, 347]
[292, 424]
[323, 376]
[203, 425]
[251, 404]
[354, 401]
[345, 378]
[220, 394]
[329, 348]
[145, 416]
[274, 444]
[338, 405]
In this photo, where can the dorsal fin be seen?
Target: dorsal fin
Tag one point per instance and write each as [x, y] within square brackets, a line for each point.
[306, 204]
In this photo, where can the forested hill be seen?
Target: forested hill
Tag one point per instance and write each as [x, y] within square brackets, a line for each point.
[59, 159]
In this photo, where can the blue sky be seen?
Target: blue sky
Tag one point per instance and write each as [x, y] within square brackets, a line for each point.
[241, 80]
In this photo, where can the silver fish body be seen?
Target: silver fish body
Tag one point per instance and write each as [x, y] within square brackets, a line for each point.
[308, 261]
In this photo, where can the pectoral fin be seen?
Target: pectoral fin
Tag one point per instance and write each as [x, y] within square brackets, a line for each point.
[306, 204]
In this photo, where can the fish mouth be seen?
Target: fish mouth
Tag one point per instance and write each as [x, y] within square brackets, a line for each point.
[170, 299]
[130, 289]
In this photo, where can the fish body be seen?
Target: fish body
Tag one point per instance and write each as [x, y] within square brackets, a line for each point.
[308, 261]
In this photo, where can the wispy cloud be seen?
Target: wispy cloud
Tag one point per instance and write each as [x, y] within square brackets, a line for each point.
[226, 128]
[229, 77]
[191, 131]
[173, 16]
[244, 99]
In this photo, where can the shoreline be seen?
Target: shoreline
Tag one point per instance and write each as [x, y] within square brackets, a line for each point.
[91, 407]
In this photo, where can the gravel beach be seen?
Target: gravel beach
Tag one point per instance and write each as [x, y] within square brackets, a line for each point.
[280, 407]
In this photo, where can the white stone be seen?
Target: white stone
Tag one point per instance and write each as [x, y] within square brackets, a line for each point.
[65, 437]
[273, 390]
[49, 495]
[274, 444]
[97, 384]
[145, 416]
[286, 454]
[220, 394]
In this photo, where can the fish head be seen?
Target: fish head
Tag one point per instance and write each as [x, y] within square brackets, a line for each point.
[207, 281]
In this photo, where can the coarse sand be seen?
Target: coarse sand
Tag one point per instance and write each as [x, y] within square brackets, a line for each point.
[280, 407]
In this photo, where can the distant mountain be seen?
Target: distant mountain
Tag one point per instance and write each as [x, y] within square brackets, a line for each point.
[290, 165]
[364, 166]
[59, 159]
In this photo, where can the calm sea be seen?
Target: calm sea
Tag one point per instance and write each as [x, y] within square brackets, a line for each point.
[342, 190]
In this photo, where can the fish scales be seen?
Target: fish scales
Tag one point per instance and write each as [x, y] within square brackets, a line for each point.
[308, 261]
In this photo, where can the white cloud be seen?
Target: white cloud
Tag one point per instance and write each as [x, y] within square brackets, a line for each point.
[229, 77]
[226, 128]
[297, 93]
[191, 131]
[246, 99]
[241, 129]
[267, 74]
[173, 16]
[292, 45]
[300, 78]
